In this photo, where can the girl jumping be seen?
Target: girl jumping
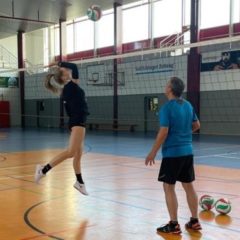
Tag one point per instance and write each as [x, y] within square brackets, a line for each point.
[66, 75]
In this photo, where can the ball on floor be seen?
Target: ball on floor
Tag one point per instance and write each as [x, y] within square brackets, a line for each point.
[223, 206]
[206, 202]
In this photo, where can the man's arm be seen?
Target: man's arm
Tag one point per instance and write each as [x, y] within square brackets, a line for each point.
[161, 137]
[195, 126]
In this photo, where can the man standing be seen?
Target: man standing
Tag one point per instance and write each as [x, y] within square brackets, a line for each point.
[177, 122]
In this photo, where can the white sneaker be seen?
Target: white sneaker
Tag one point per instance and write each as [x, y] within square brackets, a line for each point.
[81, 188]
[38, 173]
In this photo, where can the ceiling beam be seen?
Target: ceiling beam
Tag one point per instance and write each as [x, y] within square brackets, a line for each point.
[27, 20]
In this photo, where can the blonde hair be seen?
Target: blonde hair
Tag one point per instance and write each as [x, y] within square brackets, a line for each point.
[53, 81]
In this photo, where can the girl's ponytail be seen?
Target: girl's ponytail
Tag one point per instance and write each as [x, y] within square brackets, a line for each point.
[53, 81]
[48, 83]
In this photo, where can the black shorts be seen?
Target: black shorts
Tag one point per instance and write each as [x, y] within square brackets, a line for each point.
[177, 169]
[77, 122]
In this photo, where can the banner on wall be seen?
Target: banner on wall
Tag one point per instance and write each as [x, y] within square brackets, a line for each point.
[221, 61]
[158, 68]
[8, 82]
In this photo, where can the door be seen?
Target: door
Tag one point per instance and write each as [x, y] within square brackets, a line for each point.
[151, 108]
[40, 108]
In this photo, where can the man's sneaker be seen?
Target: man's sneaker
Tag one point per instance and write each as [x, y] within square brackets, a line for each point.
[38, 173]
[81, 188]
[170, 228]
[193, 225]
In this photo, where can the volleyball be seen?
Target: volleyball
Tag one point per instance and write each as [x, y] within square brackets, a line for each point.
[206, 202]
[223, 206]
[94, 13]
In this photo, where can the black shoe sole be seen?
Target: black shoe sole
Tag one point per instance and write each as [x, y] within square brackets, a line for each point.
[174, 233]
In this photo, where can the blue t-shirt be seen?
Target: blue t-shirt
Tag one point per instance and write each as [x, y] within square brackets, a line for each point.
[178, 116]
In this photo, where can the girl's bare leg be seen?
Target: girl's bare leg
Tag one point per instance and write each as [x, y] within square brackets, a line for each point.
[75, 143]
[74, 148]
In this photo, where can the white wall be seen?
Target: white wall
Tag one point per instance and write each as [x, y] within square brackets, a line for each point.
[10, 44]
[34, 47]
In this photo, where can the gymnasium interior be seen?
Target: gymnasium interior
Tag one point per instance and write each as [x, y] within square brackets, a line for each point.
[125, 58]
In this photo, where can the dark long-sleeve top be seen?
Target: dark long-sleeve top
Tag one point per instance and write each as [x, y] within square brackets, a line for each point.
[74, 96]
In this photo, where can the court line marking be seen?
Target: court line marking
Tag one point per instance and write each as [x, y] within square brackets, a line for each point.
[207, 224]
[154, 170]
[53, 233]
[224, 146]
[23, 189]
[214, 155]
[7, 189]
[203, 178]
[39, 184]
[19, 177]
[158, 189]
[4, 178]
[28, 222]
[20, 166]
[164, 202]
[34, 164]
[224, 156]
[184, 233]
[219, 181]
[121, 203]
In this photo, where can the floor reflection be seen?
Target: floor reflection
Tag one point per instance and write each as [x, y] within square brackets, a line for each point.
[81, 232]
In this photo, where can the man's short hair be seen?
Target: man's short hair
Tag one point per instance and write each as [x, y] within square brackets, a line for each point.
[177, 86]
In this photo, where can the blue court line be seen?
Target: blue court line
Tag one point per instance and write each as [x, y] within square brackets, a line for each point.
[121, 144]
[159, 189]
[121, 203]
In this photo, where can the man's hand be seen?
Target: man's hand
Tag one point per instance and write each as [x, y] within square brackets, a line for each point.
[162, 134]
[150, 159]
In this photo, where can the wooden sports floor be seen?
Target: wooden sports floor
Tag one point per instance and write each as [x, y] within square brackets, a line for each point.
[126, 202]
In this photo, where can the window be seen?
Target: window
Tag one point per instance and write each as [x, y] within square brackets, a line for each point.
[187, 12]
[236, 11]
[84, 35]
[105, 31]
[214, 13]
[167, 17]
[70, 39]
[46, 52]
[135, 24]
[136, 4]
[56, 41]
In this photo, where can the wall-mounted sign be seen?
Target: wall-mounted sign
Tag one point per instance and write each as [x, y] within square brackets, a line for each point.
[221, 61]
[158, 68]
[8, 82]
